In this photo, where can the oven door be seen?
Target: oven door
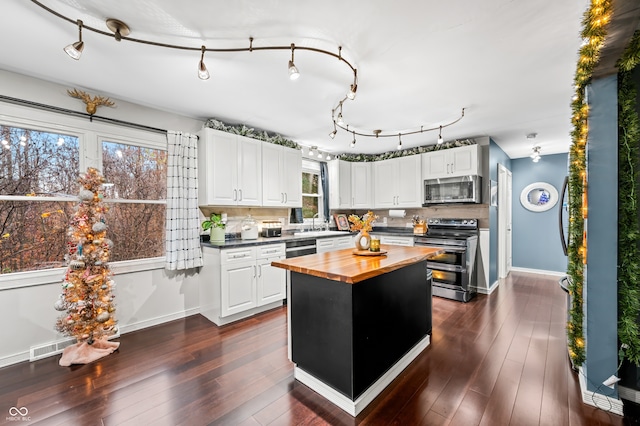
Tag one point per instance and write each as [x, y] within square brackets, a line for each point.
[447, 278]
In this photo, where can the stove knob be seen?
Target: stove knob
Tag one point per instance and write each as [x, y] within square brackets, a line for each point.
[464, 222]
[472, 222]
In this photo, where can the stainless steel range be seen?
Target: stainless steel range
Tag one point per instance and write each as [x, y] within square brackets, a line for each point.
[454, 271]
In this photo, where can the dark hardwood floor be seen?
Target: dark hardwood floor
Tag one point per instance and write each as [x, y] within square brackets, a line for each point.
[497, 360]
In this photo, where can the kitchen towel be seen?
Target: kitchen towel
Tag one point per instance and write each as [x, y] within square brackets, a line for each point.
[397, 213]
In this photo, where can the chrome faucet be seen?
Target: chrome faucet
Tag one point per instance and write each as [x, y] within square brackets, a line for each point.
[313, 222]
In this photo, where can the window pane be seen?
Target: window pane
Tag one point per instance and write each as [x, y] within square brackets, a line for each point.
[33, 234]
[133, 172]
[310, 183]
[137, 230]
[38, 163]
[309, 206]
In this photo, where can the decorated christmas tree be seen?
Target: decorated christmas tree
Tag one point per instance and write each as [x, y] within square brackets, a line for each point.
[87, 287]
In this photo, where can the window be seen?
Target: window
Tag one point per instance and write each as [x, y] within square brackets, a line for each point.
[136, 188]
[312, 197]
[38, 183]
[39, 171]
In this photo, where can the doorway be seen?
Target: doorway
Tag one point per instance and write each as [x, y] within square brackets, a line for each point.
[504, 221]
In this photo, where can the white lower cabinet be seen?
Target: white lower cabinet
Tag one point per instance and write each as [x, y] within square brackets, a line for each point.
[239, 282]
[396, 241]
[324, 245]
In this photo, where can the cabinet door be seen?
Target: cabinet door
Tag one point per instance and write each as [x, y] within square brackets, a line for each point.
[361, 186]
[464, 160]
[334, 182]
[292, 177]
[272, 282]
[384, 195]
[409, 181]
[238, 287]
[272, 165]
[219, 167]
[344, 186]
[435, 164]
[249, 172]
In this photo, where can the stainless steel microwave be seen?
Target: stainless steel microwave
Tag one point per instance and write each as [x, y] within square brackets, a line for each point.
[461, 189]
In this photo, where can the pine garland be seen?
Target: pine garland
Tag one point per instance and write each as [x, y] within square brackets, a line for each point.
[628, 194]
[594, 31]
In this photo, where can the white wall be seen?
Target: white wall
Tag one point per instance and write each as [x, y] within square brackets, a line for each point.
[143, 297]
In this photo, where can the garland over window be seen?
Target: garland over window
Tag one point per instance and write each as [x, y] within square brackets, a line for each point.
[593, 33]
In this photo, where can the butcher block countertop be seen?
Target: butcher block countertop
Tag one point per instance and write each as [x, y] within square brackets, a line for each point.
[343, 265]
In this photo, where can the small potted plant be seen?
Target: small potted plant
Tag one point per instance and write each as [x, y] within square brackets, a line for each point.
[216, 227]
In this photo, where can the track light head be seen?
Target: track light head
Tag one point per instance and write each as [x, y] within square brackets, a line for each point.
[399, 142]
[440, 140]
[294, 74]
[203, 73]
[74, 50]
[351, 94]
[332, 135]
[353, 142]
[340, 120]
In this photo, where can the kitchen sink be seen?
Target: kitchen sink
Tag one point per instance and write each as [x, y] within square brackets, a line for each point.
[319, 233]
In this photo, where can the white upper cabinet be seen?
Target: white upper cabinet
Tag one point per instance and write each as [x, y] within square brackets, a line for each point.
[339, 184]
[452, 162]
[350, 185]
[281, 176]
[229, 169]
[398, 183]
[361, 186]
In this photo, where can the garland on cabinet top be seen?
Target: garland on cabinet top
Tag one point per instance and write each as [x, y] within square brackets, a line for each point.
[594, 31]
[628, 195]
[249, 132]
[277, 139]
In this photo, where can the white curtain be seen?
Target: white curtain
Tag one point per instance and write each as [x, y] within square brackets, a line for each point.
[182, 222]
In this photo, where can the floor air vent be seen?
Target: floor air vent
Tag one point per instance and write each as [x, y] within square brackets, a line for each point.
[50, 349]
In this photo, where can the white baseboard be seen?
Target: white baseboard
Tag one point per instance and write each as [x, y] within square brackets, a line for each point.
[157, 320]
[603, 402]
[489, 290]
[539, 271]
[354, 407]
[26, 355]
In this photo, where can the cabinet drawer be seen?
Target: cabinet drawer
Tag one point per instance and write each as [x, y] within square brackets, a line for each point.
[271, 250]
[343, 242]
[238, 254]
[397, 241]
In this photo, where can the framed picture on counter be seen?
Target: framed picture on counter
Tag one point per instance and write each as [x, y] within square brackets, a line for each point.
[341, 222]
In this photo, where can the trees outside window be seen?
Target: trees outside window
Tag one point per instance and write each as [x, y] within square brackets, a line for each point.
[39, 173]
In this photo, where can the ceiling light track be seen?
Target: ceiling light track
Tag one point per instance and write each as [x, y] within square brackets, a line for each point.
[251, 48]
[339, 122]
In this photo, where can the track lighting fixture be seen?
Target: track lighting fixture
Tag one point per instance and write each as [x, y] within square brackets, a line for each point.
[74, 50]
[319, 154]
[399, 142]
[328, 157]
[118, 28]
[351, 94]
[338, 121]
[203, 73]
[293, 71]
[353, 142]
[535, 155]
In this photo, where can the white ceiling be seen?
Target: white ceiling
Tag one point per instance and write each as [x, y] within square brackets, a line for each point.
[509, 63]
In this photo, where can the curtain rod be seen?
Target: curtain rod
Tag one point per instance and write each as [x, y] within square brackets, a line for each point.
[60, 110]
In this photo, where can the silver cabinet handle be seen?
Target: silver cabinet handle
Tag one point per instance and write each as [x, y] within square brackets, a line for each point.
[447, 168]
[282, 197]
[254, 271]
[240, 191]
[452, 168]
[235, 195]
[286, 197]
[259, 270]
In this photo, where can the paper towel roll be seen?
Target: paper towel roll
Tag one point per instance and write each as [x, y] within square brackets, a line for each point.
[397, 213]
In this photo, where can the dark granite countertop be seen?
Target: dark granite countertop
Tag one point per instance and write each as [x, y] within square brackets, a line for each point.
[288, 236]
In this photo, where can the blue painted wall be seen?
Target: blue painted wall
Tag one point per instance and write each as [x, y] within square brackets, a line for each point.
[601, 310]
[496, 156]
[536, 236]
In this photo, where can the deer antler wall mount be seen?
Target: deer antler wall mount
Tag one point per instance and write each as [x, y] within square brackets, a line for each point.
[92, 102]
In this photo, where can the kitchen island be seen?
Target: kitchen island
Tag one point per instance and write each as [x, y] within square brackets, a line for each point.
[356, 322]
